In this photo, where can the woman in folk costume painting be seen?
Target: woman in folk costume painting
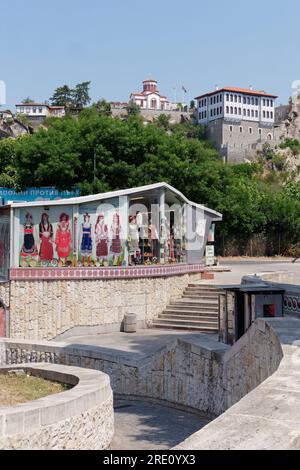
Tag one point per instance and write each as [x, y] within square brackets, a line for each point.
[46, 238]
[116, 242]
[86, 237]
[63, 237]
[29, 247]
[101, 232]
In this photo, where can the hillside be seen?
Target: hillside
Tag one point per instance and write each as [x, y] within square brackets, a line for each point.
[260, 201]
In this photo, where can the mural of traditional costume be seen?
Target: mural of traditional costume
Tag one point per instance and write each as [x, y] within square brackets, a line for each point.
[133, 233]
[63, 237]
[154, 239]
[86, 237]
[133, 241]
[46, 238]
[101, 232]
[116, 242]
[164, 238]
[29, 247]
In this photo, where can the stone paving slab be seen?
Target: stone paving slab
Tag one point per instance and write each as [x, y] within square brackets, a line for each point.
[140, 345]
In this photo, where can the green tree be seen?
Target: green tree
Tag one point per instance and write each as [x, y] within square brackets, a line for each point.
[80, 95]
[133, 109]
[62, 96]
[163, 121]
[27, 100]
[102, 107]
[8, 168]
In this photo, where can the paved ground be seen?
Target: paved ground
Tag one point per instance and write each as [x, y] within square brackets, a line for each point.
[131, 345]
[241, 268]
[143, 425]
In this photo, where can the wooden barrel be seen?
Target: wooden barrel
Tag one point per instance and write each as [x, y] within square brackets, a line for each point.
[130, 322]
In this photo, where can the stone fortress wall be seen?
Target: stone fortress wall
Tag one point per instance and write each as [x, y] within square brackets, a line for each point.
[151, 114]
[240, 145]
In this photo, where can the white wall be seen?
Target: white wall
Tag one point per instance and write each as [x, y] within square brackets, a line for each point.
[28, 110]
[237, 106]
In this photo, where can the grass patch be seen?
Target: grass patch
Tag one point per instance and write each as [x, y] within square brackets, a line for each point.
[16, 389]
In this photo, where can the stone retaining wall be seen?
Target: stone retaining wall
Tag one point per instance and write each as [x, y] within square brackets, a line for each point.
[4, 293]
[195, 371]
[80, 418]
[45, 309]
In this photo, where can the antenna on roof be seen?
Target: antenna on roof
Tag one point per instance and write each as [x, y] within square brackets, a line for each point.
[250, 87]
[216, 87]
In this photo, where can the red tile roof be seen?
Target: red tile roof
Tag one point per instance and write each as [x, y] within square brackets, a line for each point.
[32, 104]
[40, 104]
[245, 91]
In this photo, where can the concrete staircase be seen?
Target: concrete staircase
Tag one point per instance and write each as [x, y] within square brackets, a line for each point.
[196, 310]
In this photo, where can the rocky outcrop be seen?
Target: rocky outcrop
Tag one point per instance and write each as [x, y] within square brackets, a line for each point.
[12, 127]
[289, 128]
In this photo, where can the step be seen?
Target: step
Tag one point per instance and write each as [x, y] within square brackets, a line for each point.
[192, 308]
[202, 329]
[195, 290]
[200, 295]
[200, 306]
[183, 321]
[174, 316]
[200, 299]
[195, 306]
[188, 311]
[205, 286]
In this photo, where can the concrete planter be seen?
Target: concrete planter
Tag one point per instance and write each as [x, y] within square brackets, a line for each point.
[80, 418]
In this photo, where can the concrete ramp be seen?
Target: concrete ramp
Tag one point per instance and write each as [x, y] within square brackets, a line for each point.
[269, 416]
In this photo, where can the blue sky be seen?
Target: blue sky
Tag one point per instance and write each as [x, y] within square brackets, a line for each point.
[117, 43]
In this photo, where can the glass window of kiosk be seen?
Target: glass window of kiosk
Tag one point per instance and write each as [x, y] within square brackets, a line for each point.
[143, 229]
[155, 234]
[172, 223]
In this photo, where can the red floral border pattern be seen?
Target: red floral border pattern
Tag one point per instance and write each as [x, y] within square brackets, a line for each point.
[27, 274]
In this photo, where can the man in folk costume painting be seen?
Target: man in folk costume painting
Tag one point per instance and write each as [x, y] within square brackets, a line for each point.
[86, 238]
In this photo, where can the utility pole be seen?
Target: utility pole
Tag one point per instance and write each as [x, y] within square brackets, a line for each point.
[94, 165]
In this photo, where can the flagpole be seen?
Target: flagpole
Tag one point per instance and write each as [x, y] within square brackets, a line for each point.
[175, 97]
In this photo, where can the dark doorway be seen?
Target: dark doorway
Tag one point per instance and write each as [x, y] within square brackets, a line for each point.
[240, 316]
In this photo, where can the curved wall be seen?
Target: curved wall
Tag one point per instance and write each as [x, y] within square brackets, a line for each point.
[80, 418]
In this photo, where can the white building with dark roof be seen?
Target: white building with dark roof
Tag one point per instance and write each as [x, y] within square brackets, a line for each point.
[238, 120]
[39, 111]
